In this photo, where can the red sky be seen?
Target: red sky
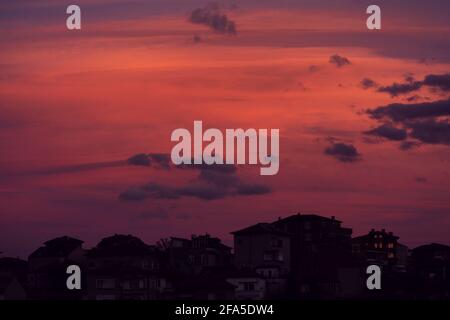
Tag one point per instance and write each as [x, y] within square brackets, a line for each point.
[74, 105]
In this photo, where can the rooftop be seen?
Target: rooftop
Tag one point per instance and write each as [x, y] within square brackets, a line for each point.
[261, 228]
[57, 247]
[307, 217]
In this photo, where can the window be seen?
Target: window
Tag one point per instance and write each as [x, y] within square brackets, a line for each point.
[248, 286]
[105, 283]
[276, 243]
[307, 225]
[279, 256]
[273, 256]
[390, 255]
[155, 283]
[390, 245]
[130, 284]
[204, 259]
[268, 256]
[134, 284]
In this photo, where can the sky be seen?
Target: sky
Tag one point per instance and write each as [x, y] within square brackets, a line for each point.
[86, 117]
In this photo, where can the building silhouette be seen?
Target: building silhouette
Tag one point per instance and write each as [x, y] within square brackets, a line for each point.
[47, 268]
[265, 250]
[302, 256]
[13, 279]
[430, 269]
[124, 267]
[381, 248]
[322, 264]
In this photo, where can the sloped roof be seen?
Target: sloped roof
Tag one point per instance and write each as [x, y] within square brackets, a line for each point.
[121, 245]
[58, 247]
[306, 217]
[432, 247]
[372, 233]
[260, 228]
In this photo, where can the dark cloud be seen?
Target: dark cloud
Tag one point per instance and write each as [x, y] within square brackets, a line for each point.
[396, 89]
[389, 132]
[408, 145]
[426, 123]
[252, 189]
[205, 191]
[157, 160]
[141, 159]
[224, 168]
[441, 81]
[343, 152]
[82, 167]
[196, 38]
[159, 214]
[421, 179]
[134, 194]
[200, 190]
[431, 131]
[367, 83]
[433, 81]
[160, 160]
[219, 178]
[339, 61]
[427, 61]
[313, 68]
[409, 77]
[400, 112]
[213, 182]
[159, 191]
[214, 19]
[413, 98]
[70, 169]
[183, 216]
